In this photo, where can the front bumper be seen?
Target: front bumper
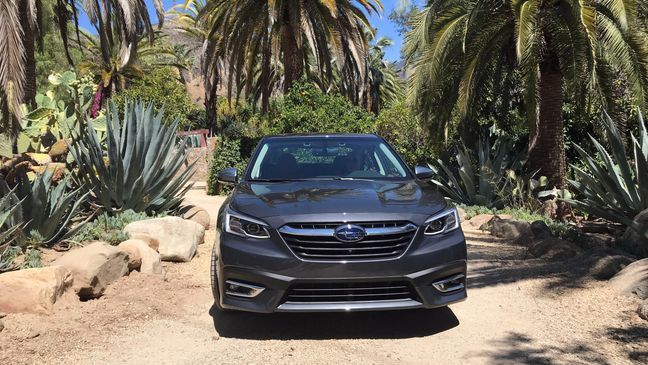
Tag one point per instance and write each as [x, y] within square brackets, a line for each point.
[271, 265]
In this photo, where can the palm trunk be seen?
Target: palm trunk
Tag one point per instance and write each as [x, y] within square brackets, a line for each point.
[29, 96]
[548, 153]
[293, 57]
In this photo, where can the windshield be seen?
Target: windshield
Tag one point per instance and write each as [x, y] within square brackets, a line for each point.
[326, 158]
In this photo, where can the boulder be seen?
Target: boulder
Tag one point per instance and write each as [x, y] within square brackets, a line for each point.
[554, 248]
[540, 230]
[149, 258]
[632, 280]
[134, 258]
[150, 241]
[479, 220]
[605, 267]
[179, 238]
[34, 290]
[510, 229]
[94, 267]
[634, 241]
[196, 214]
[643, 310]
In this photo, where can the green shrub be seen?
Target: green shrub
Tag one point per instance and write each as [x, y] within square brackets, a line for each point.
[143, 170]
[164, 91]
[403, 130]
[108, 228]
[306, 109]
[228, 153]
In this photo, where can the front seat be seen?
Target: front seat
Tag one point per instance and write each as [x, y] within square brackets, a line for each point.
[286, 166]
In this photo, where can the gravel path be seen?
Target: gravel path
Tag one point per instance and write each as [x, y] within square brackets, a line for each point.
[518, 311]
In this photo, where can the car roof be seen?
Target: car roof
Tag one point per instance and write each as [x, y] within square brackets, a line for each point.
[322, 135]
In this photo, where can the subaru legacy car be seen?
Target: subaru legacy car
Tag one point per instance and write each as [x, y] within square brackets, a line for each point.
[322, 223]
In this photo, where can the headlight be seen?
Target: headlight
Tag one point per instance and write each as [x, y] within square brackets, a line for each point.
[244, 226]
[443, 222]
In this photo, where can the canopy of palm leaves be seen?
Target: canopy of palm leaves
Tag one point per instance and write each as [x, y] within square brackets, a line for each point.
[463, 52]
[459, 49]
[253, 42]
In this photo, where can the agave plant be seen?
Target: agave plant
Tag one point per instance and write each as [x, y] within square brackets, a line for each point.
[615, 184]
[139, 165]
[9, 206]
[48, 208]
[479, 182]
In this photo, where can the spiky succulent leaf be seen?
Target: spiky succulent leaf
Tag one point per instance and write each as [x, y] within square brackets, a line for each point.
[144, 159]
[614, 185]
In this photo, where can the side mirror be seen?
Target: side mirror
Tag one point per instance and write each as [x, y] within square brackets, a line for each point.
[228, 176]
[423, 172]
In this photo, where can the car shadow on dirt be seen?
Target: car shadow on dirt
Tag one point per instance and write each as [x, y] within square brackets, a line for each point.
[324, 326]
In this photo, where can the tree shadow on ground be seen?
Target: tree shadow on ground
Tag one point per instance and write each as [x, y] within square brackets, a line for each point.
[635, 338]
[489, 266]
[324, 326]
[518, 348]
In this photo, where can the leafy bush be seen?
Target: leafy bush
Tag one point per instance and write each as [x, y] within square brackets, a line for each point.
[108, 228]
[614, 185]
[481, 180]
[139, 166]
[306, 109]
[164, 91]
[403, 130]
[228, 153]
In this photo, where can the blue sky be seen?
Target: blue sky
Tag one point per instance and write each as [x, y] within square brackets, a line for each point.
[385, 27]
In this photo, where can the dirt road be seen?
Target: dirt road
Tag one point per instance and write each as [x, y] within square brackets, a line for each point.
[518, 311]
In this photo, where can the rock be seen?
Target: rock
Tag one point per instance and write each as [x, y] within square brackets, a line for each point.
[510, 229]
[540, 230]
[40, 158]
[34, 290]
[134, 258]
[554, 248]
[635, 242]
[59, 150]
[632, 280]
[179, 238]
[149, 258]
[150, 241]
[606, 267]
[479, 220]
[461, 213]
[642, 310]
[196, 214]
[94, 267]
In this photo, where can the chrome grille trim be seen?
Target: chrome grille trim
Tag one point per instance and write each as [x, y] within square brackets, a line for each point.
[317, 241]
[372, 292]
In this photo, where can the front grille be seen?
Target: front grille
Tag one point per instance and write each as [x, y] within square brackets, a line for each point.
[316, 241]
[349, 292]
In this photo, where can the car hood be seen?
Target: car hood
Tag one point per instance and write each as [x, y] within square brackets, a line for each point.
[319, 200]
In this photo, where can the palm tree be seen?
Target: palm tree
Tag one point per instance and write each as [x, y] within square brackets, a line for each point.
[262, 37]
[463, 51]
[194, 29]
[383, 83]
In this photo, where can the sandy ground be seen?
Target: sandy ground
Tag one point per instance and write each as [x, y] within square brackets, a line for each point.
[518, 311]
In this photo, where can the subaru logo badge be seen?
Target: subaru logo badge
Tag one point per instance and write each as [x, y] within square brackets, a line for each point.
[350, 233]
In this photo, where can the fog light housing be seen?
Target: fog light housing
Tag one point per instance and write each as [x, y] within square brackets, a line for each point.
[244, 290]
[450, 284]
